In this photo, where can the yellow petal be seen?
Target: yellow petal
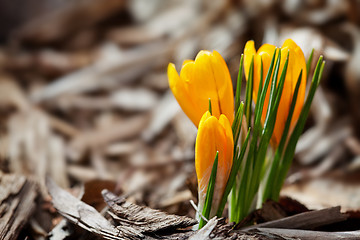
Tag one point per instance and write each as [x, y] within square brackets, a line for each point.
[224, 122]
[207, 77]
[249, 53]
[264, 54]
[224, 86]
[200, 84]
[187, 61]
[295, 65]
[205, 151]
[203, 85]
[178, 87]
[298, 63]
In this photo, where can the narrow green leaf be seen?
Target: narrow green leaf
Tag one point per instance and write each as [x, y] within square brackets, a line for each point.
[237, 123]
[253, 151]
[210, 108]
[261, 95]
[308, 64]
[248, 161]
[272, 90]
[232, 177]
[243, 188]
[209, 192]
[248, 94]
[268, 130]
[290, 148]
[261, 76]
[270, 181]
[238, 83]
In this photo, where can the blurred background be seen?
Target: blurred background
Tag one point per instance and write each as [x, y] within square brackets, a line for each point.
[84, 93]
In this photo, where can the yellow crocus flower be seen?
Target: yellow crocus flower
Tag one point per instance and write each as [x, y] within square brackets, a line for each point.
[295, 65]
[205, 78]
[214, 135]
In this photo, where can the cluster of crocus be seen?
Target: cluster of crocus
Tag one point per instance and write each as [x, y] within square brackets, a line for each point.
[230, 153]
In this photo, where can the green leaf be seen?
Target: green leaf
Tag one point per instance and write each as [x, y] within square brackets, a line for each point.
[261, 77]
[248, 94]
[248, 113]
[237, 124]
[247, 183]
[238, 83]
[308, 64]
[209, 192]
[246, 186]
[232, 177]
[261, 95]
[268, 130]
[275, 164]
[272, 90]
[210, 108]
[290, 148]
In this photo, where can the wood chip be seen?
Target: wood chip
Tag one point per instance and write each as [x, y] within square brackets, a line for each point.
[17, 198]
[311, 235]
[307, 220]
[35, 150]
[86, 216]
[143, 219]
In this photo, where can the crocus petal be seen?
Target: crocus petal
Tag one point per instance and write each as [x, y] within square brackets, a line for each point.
[178, 87]
[225, 123]
[223, 85]
[249, 53]
[264, 54]
[205, 152]
[202, 85]
[296, 64]
[207, 77]
[297, 53]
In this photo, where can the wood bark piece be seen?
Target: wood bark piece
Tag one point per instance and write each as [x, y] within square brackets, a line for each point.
[35, 150]
[141, 218]
[311, 235]
[307, 220]
[86, 216]
[218, 229]
[17, 203]
[159, 225]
